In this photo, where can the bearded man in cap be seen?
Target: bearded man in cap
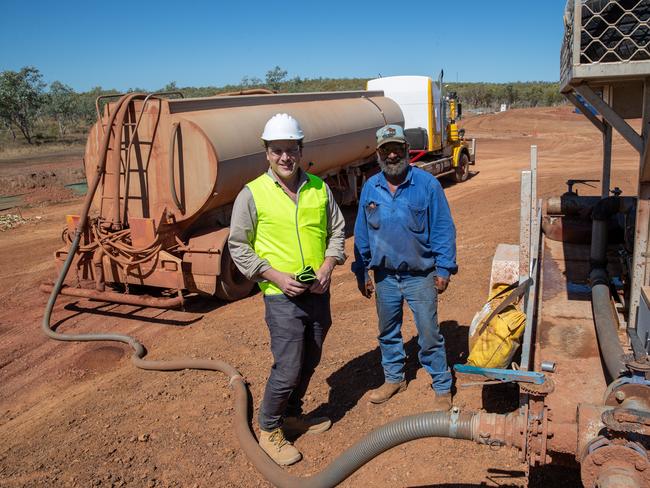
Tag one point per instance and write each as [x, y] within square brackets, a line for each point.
[405, 234]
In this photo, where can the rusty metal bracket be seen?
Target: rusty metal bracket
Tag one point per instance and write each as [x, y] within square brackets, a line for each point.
[537, 432]
[538, 389]
[638, 364]
[638, 348]
[627, 420]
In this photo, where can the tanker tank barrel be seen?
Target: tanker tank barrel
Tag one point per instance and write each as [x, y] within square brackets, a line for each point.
[201, 152]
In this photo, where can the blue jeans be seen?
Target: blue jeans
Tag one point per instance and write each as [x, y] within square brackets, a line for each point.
[421, 295]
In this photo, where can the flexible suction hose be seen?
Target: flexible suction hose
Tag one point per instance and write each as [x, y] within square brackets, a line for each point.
[601, 302]
[606, 329]
[433, 424]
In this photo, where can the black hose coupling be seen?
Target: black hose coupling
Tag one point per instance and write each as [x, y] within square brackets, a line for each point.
[598, 275]
[606, 208]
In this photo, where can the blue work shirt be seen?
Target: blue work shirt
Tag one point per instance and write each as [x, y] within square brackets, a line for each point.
[410, 230]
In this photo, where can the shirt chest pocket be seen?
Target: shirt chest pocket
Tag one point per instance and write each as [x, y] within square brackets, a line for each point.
[372, 215]
[417, 218]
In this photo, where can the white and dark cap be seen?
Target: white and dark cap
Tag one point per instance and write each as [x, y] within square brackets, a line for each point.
[390, 133]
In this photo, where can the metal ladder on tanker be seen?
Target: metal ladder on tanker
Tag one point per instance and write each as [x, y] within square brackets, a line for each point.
[127, 137]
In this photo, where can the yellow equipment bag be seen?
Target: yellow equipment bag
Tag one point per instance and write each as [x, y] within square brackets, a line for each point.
[496, 329]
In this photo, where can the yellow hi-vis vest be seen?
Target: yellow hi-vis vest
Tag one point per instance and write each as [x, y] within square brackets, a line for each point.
[289, 236]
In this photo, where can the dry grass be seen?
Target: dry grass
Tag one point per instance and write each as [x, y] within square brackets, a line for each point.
[46, 141]
[24, 151]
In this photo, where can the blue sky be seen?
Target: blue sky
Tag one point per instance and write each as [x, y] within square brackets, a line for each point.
[147, 44]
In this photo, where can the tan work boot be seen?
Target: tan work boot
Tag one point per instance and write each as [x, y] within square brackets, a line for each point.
[386, 391]
[279, 448]
[441, 401]
[305, 425]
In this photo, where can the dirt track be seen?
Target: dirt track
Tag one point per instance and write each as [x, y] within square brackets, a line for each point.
[81, 415]
[41, 176]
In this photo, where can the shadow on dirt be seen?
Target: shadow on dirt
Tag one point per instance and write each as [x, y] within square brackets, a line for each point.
[566, 473]
[364, 373]
[117, 311]
[360, 375]
[455, 341]
[205, 304]
[448, 181]
[503, 478]
[100, 359]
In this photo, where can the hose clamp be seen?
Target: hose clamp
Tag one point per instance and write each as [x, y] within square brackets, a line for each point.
[453, 422]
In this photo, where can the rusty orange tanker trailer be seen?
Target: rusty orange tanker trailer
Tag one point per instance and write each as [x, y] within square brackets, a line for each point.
[169, 169]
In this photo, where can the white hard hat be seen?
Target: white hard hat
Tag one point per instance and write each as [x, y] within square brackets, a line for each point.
[282, 127]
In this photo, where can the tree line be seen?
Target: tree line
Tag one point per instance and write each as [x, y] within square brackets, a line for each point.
[37, 111]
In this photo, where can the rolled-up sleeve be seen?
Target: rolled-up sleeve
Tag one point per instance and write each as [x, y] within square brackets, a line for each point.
[242, 232]
[335, 230]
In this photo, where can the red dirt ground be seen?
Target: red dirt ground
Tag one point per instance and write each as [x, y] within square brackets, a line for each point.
[81, 415]
[41, 178]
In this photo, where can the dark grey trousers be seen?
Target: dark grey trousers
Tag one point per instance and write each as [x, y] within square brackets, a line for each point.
[298, 327]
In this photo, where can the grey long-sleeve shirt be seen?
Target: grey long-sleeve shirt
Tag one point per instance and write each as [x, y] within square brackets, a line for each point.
[243, 223]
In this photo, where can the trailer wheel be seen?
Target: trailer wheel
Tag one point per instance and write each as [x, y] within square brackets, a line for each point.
[462, 170]
[232, 285]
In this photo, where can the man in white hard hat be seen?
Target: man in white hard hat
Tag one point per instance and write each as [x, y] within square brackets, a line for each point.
[287, 233]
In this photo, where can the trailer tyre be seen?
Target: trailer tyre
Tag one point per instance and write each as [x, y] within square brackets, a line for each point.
[232, 285]
[462, 170]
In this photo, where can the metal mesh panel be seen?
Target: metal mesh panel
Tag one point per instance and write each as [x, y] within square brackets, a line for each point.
[605, 40]
[566, 54]
[614, 31]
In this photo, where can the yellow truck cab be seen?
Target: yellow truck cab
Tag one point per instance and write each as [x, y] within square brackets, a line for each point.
[435, 142]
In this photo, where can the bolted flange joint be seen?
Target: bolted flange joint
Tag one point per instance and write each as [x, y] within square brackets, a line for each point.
[615, 462]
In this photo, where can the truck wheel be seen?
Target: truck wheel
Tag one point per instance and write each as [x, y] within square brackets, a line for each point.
[462, 170]
[232, 285]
